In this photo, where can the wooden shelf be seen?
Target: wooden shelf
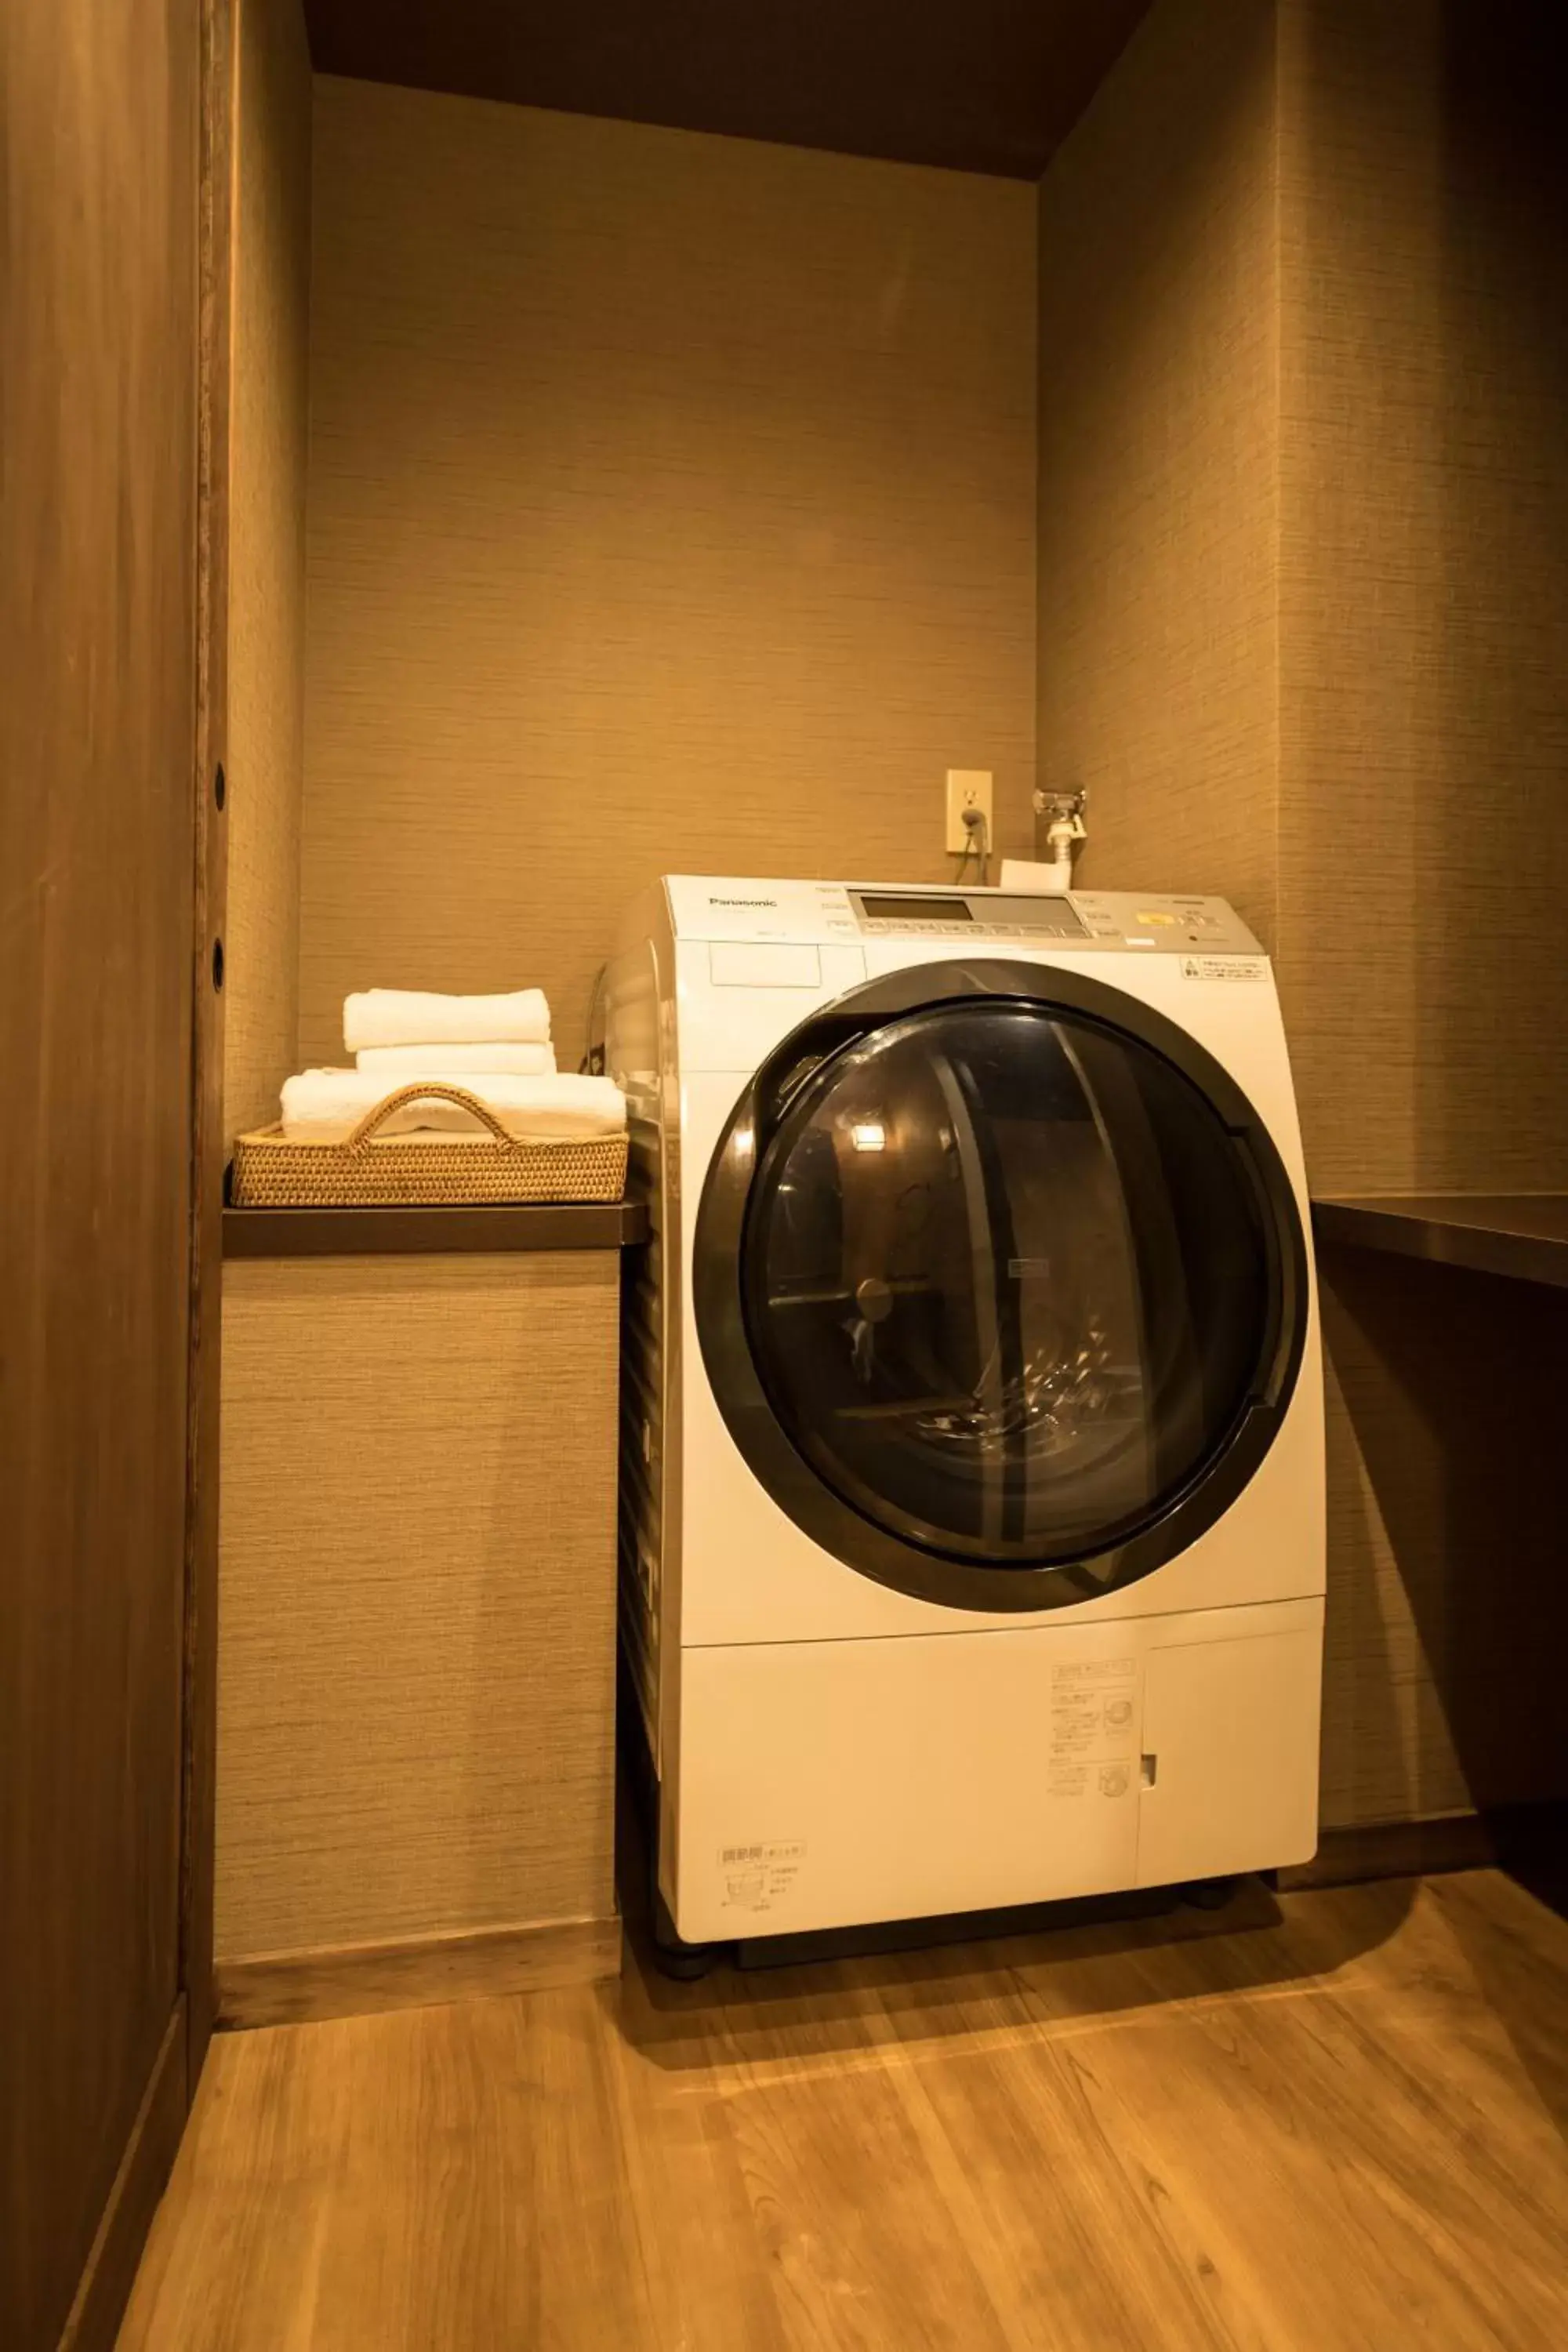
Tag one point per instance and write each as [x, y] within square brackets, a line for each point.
[1521, 1235]
[409, 1232]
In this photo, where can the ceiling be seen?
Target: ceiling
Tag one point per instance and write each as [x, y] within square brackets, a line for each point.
[977, 85]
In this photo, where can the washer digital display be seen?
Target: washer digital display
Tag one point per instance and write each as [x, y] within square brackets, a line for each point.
[917, 910]
[1020, 912]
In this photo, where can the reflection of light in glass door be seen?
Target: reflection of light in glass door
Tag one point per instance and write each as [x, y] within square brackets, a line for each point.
[991, 1457]
[1112, 1298]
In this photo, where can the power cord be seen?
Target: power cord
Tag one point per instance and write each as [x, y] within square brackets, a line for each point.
[592, 1064]
[976, 845]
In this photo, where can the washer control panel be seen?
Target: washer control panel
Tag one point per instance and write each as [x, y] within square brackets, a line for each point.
[713, 907]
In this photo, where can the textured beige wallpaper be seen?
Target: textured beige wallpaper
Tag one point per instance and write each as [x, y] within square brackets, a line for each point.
[1304, 632]
[1159, 478]
[671, 507]
[418, 1608]
[265, 767]
[1423, 595]
[1423, 847]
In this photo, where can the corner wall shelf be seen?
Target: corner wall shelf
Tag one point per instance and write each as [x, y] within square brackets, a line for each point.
[410, 1232]
[1520, 1234]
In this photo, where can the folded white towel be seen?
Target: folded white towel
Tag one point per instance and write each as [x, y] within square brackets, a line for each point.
[398, 1064]
[406, 1016]
[326, 1105]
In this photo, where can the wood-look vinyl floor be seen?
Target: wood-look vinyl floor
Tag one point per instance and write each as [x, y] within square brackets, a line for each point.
[1328, 2122]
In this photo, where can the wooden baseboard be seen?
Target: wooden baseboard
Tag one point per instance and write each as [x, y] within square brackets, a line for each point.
[93, 2321]
[1443, 1842]
[352, 1979]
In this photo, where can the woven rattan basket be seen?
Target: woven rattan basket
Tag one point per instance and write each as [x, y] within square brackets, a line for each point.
[368, 1169]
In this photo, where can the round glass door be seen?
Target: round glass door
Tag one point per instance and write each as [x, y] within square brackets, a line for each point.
[1009, 1286]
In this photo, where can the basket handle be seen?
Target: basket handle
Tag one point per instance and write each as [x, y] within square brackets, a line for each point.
[364, 1133]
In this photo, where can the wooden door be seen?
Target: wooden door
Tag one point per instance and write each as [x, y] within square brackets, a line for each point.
[99, 135]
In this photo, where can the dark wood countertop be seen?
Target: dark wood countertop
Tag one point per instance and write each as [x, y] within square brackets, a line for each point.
[1523, 1234]
[412, 1233]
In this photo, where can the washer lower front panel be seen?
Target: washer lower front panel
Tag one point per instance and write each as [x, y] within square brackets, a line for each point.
[827, 1784]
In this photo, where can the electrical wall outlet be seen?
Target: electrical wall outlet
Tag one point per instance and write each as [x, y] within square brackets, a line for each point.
[968, 788]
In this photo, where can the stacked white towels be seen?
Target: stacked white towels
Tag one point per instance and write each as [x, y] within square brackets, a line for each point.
[398, 1064]
[497, 1048]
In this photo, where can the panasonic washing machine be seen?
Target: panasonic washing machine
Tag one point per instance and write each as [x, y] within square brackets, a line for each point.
[972, 1547]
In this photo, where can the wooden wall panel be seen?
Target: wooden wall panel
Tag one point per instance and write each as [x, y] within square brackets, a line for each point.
[418, 1595]
[672, 506]
[265, 752]
[99, 272]
[219, 34]
[1158, 488]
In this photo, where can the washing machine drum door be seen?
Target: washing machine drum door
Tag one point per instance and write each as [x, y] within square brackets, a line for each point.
[1002, 1293]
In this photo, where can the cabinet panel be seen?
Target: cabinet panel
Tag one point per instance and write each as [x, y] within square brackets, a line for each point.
[1230, 1750]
